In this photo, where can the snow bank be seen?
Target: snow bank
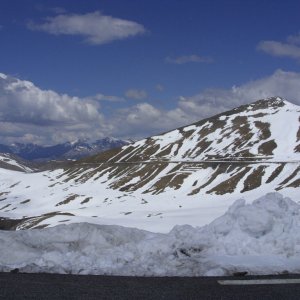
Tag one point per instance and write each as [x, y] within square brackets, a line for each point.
[261, 238]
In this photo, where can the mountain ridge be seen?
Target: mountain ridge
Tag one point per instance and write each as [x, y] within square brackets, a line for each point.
[260, 130]
[68, 150]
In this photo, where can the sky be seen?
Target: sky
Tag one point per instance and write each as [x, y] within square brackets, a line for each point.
[133, 68]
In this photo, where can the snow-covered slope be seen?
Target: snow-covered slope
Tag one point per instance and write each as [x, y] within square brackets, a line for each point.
[264, 129]
[262, 238]
[186, 176]
[11, 162]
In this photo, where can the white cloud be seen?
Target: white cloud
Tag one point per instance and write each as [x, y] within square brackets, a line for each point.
[144, 119]
[279, 49]
[136, 94]
[22, 101]
[28, 113]
[188, 59]
[213, 101]
[289, 49]
[94, 27]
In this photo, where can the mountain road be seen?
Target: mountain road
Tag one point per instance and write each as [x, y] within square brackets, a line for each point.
[53, 286]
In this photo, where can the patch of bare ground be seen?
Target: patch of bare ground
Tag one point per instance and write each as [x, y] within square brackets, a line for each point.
[229, 185]
[15, 184]
[263, 104]
[267, 148]
[297, 148]
[28, 222]
[202, 146]
[25, 201]
[4, 193]
[165, 152]
[218, 169]
[298, 132]
[254, 179]
[295, 183]
[264, 128]
[145, 173]
[88, 175]
[5, 206]
[241, 125]
[275, 173]
[288, 179]
[102, 157]
[68, 199]
[86, 200]
[173, 181]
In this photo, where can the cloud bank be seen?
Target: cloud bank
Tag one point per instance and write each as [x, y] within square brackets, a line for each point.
[95, 28]
[31, 114]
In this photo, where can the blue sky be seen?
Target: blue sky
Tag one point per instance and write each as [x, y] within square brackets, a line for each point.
[134, 68]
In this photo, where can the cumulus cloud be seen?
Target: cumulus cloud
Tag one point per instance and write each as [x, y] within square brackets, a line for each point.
[144, 119]
[22, 101]
[136, 94]
[287, 49]
[188, 59]
[213, 101]
[30, 114]
[94, 27]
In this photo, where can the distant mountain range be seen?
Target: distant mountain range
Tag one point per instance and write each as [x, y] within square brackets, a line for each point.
[68, 150]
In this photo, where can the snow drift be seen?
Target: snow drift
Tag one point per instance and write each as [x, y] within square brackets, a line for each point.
[260, 238]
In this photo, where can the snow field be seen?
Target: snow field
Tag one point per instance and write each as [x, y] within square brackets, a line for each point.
[260, 238]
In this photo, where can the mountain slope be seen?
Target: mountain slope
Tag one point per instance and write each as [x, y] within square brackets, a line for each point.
[11, 162]
[188, 175]
[264, 129]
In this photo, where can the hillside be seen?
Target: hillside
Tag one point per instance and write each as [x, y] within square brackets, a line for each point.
[189, 175]
[266, 129]
[11, 162]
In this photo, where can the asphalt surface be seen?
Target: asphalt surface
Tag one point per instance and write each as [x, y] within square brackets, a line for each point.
[52, 286]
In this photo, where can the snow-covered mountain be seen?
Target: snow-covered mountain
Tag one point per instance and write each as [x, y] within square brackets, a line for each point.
[266, 129]
[188, 175]
[11, 162]
[69, 150]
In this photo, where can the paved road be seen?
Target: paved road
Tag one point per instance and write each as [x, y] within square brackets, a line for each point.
[50, 286]
[189, 162]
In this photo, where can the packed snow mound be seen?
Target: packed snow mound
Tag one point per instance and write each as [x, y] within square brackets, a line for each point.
[260, 238]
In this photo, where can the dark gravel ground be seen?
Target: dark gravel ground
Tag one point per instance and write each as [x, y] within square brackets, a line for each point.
[52, 286]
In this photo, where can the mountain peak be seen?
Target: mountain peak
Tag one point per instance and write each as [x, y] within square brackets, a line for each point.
[272, 102]
[262, 129]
